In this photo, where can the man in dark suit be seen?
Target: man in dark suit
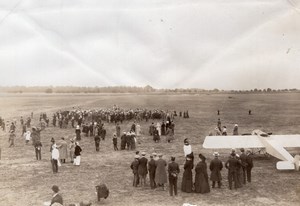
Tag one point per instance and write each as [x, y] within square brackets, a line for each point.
[215, 167]
[243, 158]
[142, 168]
[152, 169]
[173, 169]
[134, 166]
[249, 167]
[57, 198]
[231, 165]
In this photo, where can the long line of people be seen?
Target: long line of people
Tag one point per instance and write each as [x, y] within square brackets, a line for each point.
[239, 170]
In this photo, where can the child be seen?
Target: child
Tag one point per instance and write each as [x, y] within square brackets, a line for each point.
[115, 142]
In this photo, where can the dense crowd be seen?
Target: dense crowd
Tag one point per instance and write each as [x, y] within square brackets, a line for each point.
[112, 115]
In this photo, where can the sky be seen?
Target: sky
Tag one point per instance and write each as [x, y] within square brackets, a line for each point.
[224, 44]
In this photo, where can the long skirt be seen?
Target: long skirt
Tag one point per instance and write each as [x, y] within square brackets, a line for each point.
[77, 160]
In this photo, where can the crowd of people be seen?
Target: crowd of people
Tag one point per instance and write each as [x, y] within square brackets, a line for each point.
[160, 172]
[90, 123]
[112, 115]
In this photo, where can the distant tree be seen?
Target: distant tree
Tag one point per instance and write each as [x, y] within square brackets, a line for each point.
[269, 90]
[49, 90]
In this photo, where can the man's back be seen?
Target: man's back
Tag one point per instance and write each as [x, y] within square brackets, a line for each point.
[173, 168]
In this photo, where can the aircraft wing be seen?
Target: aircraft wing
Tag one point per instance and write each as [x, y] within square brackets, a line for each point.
[287, 140]
[248, 141]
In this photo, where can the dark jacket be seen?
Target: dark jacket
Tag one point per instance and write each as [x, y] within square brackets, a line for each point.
[243, 158]
[187, 179]
[201, 178]
[57, 199]
[249, 161]
[134, 166]
[77, 150]
[215, 168]
[151, 166]
[173, 169]
[142, 169]
[232, 164]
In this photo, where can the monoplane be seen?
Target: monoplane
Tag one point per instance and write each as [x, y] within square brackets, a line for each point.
[273, 144]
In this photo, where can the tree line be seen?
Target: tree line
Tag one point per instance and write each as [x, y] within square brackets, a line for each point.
[127, 89]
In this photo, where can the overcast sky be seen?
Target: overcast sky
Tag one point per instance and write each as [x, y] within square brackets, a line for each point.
[225, 44]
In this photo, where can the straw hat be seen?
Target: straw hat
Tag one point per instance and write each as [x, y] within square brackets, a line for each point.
[216, 154]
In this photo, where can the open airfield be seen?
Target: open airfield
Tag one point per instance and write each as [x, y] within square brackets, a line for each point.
[25, 181]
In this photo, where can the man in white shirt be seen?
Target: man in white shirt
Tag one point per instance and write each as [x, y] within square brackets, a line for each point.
[54, 158]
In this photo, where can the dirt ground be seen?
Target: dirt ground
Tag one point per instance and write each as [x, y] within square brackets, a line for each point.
[27, 182]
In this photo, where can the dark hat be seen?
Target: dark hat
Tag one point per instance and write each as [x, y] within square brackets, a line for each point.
[242, 150]
[55, 188]
[202, 157]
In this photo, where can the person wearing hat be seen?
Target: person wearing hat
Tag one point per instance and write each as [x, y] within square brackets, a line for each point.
[77, 133]
[243, 158]
[54, 158]
[173, 170]
[134, 166]
[142, 169]
[57, 198]
[215, 167]
[187, 178]
[236, 130]
[151, 169]
[160, 173]
[115, 142]
[201, 177]
[231, 165]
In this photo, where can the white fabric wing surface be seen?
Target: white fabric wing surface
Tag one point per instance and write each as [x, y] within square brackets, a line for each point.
[250, 141]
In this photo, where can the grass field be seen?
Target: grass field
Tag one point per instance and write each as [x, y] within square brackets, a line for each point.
[27, 182]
